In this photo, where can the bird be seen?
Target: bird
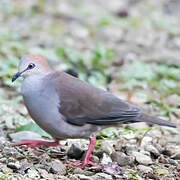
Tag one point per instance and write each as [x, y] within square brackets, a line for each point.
[67, 107]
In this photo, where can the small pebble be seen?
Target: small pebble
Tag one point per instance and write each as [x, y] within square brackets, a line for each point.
[75, 152]
[81, 171]
[152, 149]
[122, 159]
[94, 159]
[142, 159]
[176, 156]
[106, 159]
[145, 169]
[58, 167]
[107, 147]
[14, 165]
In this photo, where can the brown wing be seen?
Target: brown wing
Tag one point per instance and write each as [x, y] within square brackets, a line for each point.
[82, 103]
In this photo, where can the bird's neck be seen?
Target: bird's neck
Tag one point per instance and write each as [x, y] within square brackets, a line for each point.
[32, 83]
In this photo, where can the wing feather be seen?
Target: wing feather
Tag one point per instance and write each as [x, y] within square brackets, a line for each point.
[82, 103]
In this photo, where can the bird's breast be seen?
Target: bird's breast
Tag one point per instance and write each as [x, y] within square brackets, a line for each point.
[42, 103]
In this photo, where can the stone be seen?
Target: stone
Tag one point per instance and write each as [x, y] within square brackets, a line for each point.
[107, 147]
[176, 156]
[159, 148]
[172, 100]
[14, 165]
[61, 178]
[113, 33]
[144, 169]
[58, 167]
[12, 152]
[142, 159]
[9, 151]
[146, 140]
[81, 171]
[145, 152]
[2, 142]
[112, 168]
[178, 167]
[84, 177]
[122, 159]
[45, 174]
[105, 159]
[98, 153]
[139, 125]
[102, 176]
[129, 149]
[155, 133]
[33, 174]
[73, 177]
[150, 148]
[163, 159]
[94, 159]
[119, 144]
[168, 151]
[3, 160]
[75, 152]
[173, 162]
[122, 12]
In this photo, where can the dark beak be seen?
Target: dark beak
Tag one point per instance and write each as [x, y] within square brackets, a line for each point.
[17, 75]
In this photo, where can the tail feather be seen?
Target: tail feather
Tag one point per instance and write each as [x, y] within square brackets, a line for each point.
[154, 120]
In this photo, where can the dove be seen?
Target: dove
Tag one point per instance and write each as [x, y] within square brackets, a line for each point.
[67, 107]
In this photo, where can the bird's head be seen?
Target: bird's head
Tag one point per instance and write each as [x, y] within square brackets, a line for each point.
[32, 65]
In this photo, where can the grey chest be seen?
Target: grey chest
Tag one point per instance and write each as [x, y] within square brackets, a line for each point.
[41, 101]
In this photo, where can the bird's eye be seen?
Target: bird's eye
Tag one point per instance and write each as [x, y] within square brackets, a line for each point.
[31, 66]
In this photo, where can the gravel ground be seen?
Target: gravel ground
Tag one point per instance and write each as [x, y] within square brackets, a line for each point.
[134, 29]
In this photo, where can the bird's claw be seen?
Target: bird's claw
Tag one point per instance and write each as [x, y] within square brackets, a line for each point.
[35, 143]
[84, 164]
[81, 165]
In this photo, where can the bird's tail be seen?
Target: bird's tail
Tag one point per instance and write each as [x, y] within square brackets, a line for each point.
[154, 120]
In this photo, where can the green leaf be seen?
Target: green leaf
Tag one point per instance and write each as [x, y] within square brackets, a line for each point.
[160, 172]
[34, 128]
[107, 133]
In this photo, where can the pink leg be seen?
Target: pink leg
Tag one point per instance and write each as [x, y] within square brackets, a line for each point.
[36, 143]
[88, 153]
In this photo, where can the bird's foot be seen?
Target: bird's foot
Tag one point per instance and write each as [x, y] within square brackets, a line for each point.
[84, 164]
[86, 161]
[36, 143]
[81, 165]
